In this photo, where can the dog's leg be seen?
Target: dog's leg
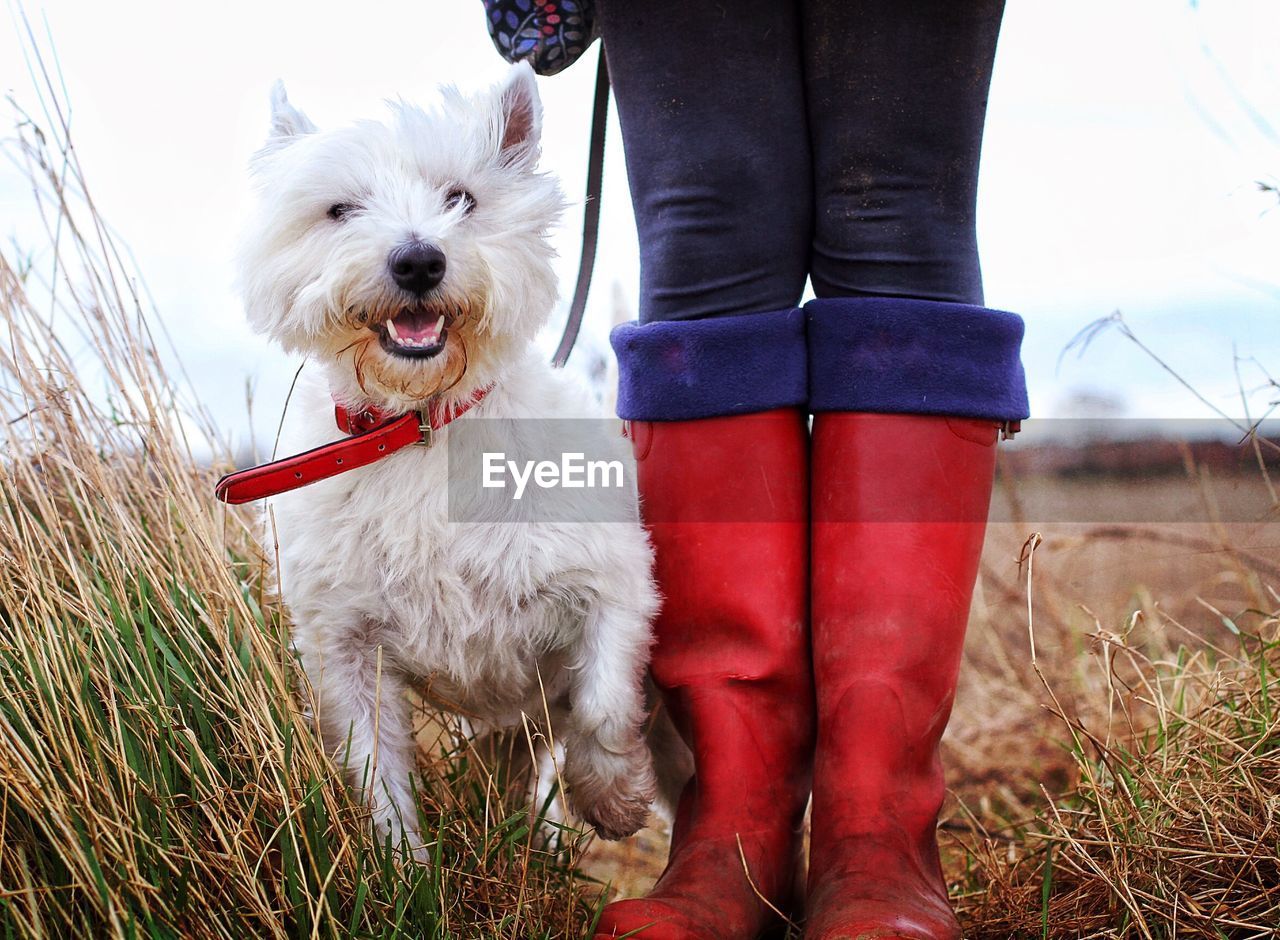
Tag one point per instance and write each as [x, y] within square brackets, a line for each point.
[364, 722]
[608, 768]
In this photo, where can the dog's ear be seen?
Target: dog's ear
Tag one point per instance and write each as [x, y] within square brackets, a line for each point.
[287, 122]
[521, 113]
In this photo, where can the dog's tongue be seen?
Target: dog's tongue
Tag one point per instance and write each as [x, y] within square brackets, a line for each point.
[417, 327]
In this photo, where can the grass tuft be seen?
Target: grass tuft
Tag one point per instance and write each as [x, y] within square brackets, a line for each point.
[1172, 825]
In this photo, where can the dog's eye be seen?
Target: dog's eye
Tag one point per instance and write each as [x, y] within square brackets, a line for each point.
[340, 210]
[460, 197]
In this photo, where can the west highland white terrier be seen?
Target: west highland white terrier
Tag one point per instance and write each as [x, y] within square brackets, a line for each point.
[409, 262]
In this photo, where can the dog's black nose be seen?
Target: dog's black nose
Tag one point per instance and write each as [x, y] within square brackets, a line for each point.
[416, 267]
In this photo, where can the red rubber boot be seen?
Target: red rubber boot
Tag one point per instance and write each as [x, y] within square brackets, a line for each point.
[899, 513]
[726, 503]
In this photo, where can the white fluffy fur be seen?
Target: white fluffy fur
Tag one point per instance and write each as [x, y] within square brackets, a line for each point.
[385, 591]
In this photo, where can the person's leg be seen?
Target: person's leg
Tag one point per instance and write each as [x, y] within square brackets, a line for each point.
[725, 501]
[899, 510]
[897, 96]
[711, 105]
[909, 380]
[713, 381]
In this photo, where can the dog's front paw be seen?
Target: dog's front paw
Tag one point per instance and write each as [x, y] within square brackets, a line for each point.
[612, 792]
[619, 816]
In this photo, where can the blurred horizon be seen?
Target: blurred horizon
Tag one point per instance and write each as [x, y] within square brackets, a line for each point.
[1121, 170]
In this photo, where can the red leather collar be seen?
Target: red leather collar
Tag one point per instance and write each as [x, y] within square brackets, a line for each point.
[375, 434]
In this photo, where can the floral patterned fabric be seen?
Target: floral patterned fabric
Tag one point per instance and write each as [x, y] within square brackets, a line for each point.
[550, 34]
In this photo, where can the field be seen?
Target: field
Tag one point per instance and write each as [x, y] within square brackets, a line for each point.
[1114, 757]
[1146, 635]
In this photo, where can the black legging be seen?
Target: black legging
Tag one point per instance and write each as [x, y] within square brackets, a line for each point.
[770, 140]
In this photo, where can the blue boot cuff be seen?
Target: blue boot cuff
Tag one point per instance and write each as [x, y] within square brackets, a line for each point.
[675, 370]
[904, 356]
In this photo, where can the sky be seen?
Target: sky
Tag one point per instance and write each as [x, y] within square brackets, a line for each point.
[1124, 146]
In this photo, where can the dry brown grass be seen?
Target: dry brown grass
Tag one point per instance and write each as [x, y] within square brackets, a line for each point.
[1123, 780]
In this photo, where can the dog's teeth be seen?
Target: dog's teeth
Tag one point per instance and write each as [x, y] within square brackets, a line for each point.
[391, 331]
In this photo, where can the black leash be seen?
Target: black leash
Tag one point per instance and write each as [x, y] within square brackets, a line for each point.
[590, 216]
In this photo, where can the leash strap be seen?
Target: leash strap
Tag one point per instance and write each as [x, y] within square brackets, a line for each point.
[590, 216]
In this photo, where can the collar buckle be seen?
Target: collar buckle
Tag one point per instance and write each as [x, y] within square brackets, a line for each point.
[425, 430]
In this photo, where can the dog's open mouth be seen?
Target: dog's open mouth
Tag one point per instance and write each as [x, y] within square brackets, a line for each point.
[415, 332]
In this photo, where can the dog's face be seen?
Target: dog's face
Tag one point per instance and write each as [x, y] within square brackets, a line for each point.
[411, 256]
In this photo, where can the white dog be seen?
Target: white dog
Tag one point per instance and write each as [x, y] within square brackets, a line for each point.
[409, 262]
